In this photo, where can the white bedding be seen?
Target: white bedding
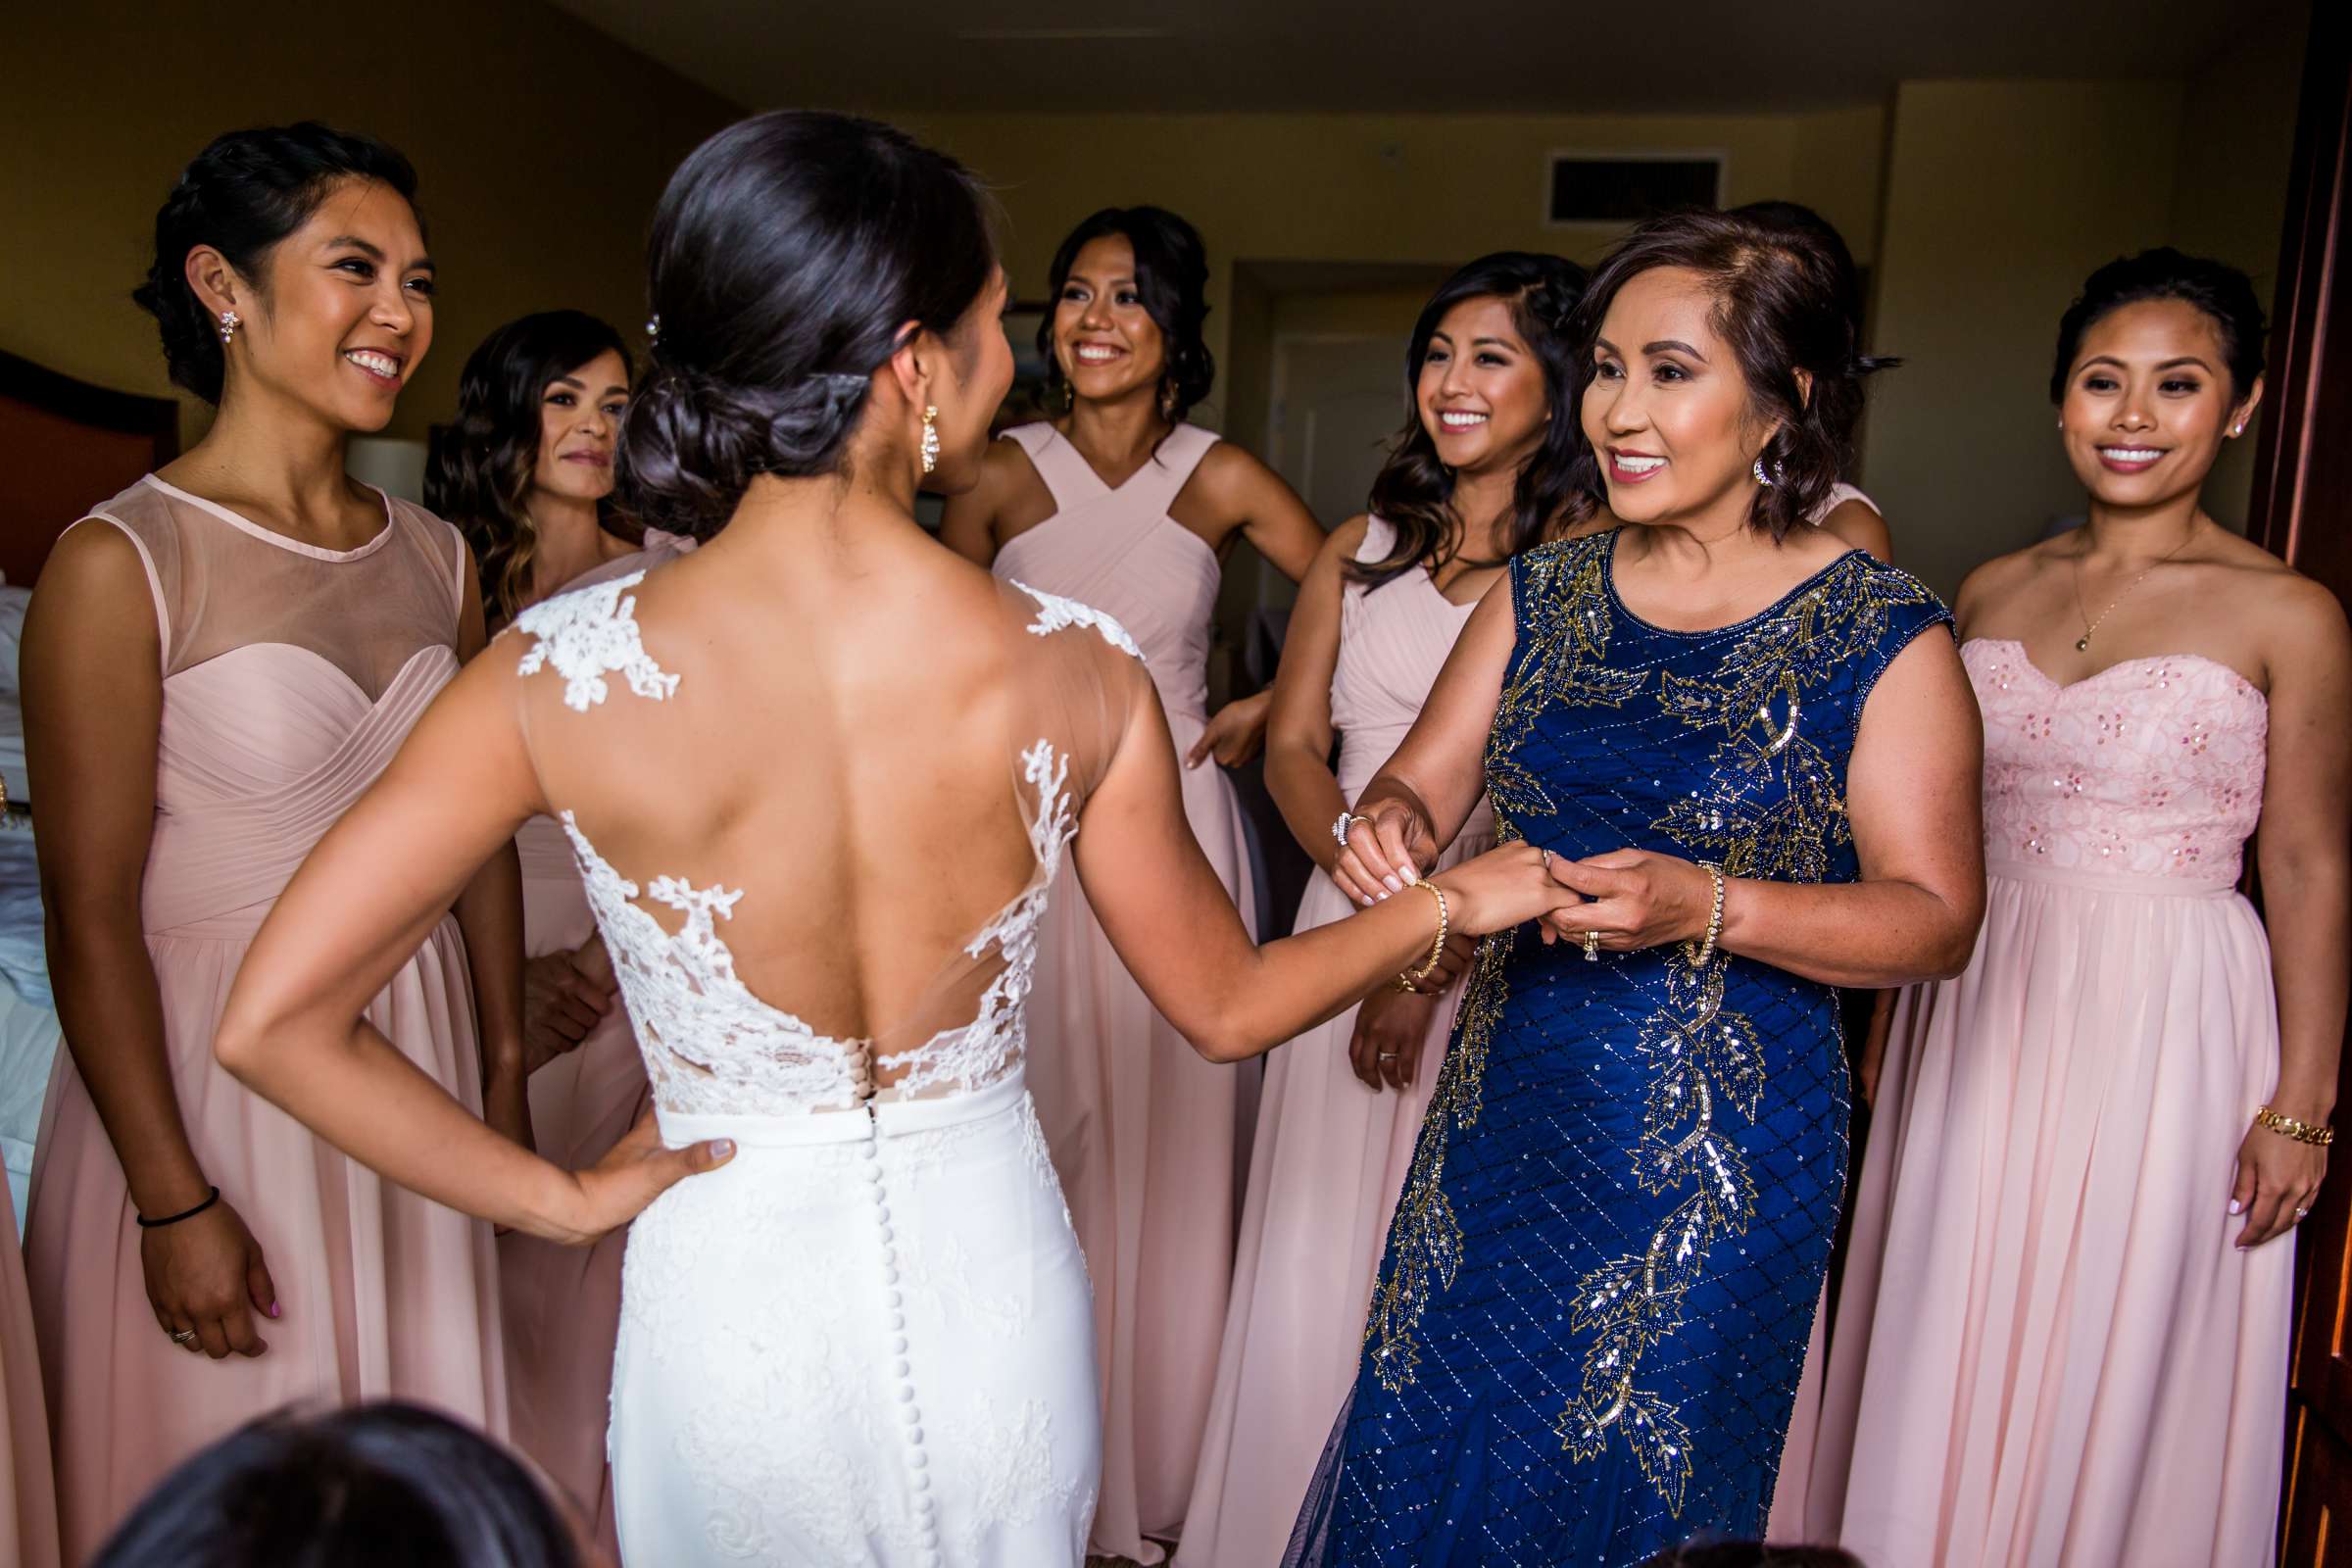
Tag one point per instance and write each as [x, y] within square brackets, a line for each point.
[29, 1026]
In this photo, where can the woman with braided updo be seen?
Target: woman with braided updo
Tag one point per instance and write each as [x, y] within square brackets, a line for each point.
[1754, 749]
[819, 763]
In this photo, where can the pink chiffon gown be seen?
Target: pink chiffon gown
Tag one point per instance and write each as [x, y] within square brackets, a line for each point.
[2049, 1352]
[291, 674]
[1330, 1154]
[561, 1304]
[1788, 1522]
[1143, 1131]
[27, 1484]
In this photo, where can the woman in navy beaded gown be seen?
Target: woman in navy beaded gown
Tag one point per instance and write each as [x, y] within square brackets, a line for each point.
[1759, 754]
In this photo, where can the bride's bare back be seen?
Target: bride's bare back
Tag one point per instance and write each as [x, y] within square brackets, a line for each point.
[820, 809]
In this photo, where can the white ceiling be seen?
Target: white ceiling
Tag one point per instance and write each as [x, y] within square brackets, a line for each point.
[916, 56]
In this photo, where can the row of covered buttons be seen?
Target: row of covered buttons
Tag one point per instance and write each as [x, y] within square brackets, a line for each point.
[911, 1416]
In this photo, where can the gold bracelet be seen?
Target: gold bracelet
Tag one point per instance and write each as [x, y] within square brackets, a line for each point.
[2302, 1132]
[1437, 949]
[1700, 956]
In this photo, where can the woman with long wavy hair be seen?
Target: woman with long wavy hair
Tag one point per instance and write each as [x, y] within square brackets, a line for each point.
[1480, 472]
[1121, 503]
[527, 472]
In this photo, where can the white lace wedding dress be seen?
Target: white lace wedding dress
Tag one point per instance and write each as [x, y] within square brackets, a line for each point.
[867, 1339]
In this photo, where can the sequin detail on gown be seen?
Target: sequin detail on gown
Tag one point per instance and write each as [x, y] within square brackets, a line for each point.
[1604, 1266]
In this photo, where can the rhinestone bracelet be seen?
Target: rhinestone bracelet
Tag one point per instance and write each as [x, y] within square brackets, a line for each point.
[1437, 949]
[1699, 955]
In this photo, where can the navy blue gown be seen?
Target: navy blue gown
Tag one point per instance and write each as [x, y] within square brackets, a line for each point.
[1585, 1340]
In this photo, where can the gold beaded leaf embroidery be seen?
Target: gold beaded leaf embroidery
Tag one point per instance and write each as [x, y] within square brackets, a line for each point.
[1564, 621]
[1776, 810]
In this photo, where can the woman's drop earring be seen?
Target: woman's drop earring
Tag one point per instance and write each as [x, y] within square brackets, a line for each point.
[1762, 478]
[930, 439]
[228, 326]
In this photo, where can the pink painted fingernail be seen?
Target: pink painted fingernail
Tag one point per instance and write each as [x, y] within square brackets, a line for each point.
[273, 1309]
[1394, 885]
[2237, 1207]
[723, 1147]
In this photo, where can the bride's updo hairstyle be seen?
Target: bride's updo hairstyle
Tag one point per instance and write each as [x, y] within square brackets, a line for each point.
[787, 255]
[1782, 304]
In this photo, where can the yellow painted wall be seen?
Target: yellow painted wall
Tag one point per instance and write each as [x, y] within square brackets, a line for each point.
[540, 144]
[2000, 196]
[1434, 188]
[2237, 133]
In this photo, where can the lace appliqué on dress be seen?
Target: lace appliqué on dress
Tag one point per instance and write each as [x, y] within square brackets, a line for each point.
[711, 1046]
[588, 634]
[1054, 613]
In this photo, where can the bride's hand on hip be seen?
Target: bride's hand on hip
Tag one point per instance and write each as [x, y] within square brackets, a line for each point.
[637, 1170]
[1384, 849]
[1638, 900]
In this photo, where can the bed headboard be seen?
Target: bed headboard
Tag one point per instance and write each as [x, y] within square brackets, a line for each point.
[66, 446]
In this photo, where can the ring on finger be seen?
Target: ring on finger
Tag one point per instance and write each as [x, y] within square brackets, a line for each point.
[1592, 947]
[1347, 819]
[183, 1336]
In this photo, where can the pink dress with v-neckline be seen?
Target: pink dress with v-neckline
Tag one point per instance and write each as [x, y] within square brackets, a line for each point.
[1330, 1155]
[291, 675]
[2048, 1351]
[1144, 1133]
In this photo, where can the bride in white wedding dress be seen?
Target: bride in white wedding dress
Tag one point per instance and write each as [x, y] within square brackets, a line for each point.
[819, 765]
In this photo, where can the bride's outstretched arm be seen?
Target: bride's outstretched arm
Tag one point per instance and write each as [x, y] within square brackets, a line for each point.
[1419, 800]
[1176, 929]
[360, 906]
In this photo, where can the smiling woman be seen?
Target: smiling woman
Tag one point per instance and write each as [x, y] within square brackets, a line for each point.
[527, 468]
[1123, 505]
[2150, 1066]
[1751, 750]
[216, 663]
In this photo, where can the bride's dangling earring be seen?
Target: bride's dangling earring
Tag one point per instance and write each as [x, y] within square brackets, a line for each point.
[930, 439]
[228, 326]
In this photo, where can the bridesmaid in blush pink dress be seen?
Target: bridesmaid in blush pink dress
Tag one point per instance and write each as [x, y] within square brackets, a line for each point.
[217, 662]
[528, 476]
[2062, 1340]
[1124, 506]
[1477, 477]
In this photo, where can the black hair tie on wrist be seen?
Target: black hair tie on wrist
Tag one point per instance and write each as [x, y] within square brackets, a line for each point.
[147, 1224]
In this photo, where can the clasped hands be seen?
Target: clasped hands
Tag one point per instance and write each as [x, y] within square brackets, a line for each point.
[1632, 898]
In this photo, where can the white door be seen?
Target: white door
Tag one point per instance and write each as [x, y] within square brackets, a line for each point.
[1337, 404]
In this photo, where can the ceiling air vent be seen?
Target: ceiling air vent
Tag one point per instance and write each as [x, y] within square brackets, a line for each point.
[1625, 189]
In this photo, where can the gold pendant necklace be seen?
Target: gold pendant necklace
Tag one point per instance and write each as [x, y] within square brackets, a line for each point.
[2083, 643]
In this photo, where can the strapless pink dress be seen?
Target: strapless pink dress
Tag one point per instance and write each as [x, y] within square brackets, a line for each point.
[291, 675]
[2048, 1351]
[561, 1304]
[1143, 1131]
[1330, 1154]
